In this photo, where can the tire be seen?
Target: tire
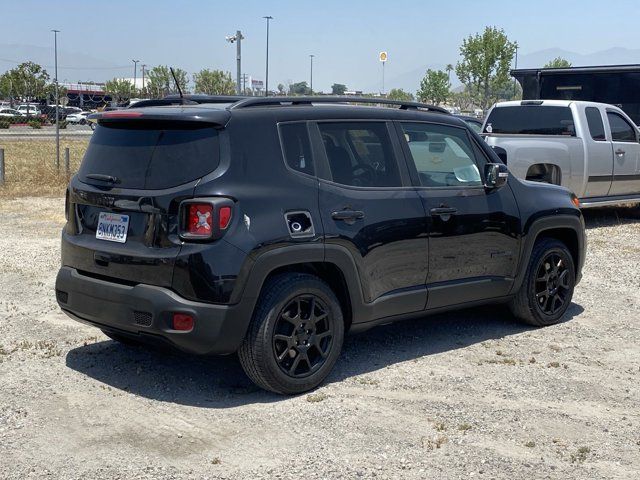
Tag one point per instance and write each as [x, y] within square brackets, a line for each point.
[283, 332]
[547, 288]
[116, 337]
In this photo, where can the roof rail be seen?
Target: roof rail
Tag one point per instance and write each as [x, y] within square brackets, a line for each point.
[283, 101]
[188, 100]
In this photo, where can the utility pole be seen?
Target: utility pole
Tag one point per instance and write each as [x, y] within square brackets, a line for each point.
[135, 74]
[55, 52]
[311, 79]
[515, 86]
[237, 38]
[268, 18]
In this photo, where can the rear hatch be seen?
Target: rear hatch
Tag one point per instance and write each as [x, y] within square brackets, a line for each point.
[123, 203]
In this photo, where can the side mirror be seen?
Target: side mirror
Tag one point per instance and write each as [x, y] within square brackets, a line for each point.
[495, 174]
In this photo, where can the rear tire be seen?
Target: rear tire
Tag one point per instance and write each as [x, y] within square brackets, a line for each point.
[547, 288]
[295, 335]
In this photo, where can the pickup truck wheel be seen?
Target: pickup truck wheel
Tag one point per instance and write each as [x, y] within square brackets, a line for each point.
[548, 284]
[295, 335]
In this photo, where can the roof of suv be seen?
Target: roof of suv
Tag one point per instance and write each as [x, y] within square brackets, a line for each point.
[219, 109]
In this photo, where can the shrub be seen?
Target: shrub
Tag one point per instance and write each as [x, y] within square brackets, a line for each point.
[35, 123]
[63, 124]
[4, 123]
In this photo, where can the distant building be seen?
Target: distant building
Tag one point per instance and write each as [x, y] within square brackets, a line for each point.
[86, 95]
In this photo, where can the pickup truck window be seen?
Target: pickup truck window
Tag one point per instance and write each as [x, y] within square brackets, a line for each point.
[596, 127]
[531, 120]
[621, 130]
[443, 155]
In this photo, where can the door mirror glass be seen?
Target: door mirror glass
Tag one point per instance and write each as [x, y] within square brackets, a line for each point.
[495, 174]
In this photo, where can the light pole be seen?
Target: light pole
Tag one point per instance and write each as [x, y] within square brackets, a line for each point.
[237, 38]
[268, 18]
[135, 74]
[515, 86]
[311, 79]
[55, 53]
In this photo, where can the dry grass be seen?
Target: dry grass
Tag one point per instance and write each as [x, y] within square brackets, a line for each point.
[30, 168]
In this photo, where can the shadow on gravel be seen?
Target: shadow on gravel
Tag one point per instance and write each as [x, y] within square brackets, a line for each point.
[219, 382]
[610, 216]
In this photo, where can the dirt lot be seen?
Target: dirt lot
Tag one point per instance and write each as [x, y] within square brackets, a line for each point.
[452, 396]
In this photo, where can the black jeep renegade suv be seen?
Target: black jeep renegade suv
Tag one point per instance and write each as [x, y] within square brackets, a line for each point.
[272, 226]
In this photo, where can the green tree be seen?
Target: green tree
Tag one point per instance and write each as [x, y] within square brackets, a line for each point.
[558, 62]
[214, 82]
[338, 89]
[448, 69]
[27, 81]
[160, 82]
[281, 89]
[486, 59]
[434, 87]
[120, 89]
[299, 88]
[400, 94]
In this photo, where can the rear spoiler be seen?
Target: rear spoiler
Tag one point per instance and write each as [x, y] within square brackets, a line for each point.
[151, 114]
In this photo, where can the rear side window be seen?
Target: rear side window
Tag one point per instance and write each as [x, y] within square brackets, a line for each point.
[531, 120]
[297, 147]
[360, 154]
[621, 130]
[150, 155]
[594, 120]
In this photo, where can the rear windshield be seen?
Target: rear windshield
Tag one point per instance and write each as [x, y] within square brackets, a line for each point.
[531, 120]
[150, 156]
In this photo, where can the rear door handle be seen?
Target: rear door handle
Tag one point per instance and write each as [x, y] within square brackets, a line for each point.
[620, 152]
[347, 215]
[443, 211]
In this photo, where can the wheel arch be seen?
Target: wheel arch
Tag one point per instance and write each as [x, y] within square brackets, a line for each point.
[568, 229]
[336, 268]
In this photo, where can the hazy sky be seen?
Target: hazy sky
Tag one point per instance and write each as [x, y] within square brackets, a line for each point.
[345, 36]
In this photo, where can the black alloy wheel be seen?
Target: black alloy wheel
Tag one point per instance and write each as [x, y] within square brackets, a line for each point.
[302, 336]
[552, 285]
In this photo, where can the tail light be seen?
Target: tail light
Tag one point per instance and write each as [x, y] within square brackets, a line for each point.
[205, 218]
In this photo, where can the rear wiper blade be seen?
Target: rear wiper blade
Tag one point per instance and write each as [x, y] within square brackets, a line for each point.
[104, 178]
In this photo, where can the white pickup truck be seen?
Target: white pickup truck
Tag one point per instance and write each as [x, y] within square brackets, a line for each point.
[591, 148]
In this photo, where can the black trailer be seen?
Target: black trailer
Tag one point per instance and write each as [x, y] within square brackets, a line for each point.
[617, 85]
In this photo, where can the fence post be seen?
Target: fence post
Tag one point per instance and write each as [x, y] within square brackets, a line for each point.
[1, 167]
[67, 169]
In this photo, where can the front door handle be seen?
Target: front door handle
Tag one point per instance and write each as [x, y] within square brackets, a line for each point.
[620, 152]
[443, 211]
[347, 215]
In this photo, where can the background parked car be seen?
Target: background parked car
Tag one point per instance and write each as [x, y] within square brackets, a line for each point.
[79, 118]
[473, 122]
[29, 110]
[10, 112]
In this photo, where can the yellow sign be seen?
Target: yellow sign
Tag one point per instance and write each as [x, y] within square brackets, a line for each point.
[383, 56]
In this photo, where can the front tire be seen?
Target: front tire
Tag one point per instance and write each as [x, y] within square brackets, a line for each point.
[295, 335]
[548, 284]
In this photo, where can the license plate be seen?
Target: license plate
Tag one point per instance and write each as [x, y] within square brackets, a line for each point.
[112, 227]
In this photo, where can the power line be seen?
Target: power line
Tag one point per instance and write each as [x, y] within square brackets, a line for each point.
[118, 67]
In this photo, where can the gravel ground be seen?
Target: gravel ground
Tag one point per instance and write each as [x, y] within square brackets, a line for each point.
[467, 394]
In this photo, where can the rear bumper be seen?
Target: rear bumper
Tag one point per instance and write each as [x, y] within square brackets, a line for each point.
[146, 311]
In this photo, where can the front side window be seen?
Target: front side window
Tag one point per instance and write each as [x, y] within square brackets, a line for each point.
[621, 130]
[443, 155]
[594, 120]
[297, 147]
[360, 154]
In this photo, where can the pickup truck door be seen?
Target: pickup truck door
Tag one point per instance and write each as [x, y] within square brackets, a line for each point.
[626, 150]
[599, 153]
